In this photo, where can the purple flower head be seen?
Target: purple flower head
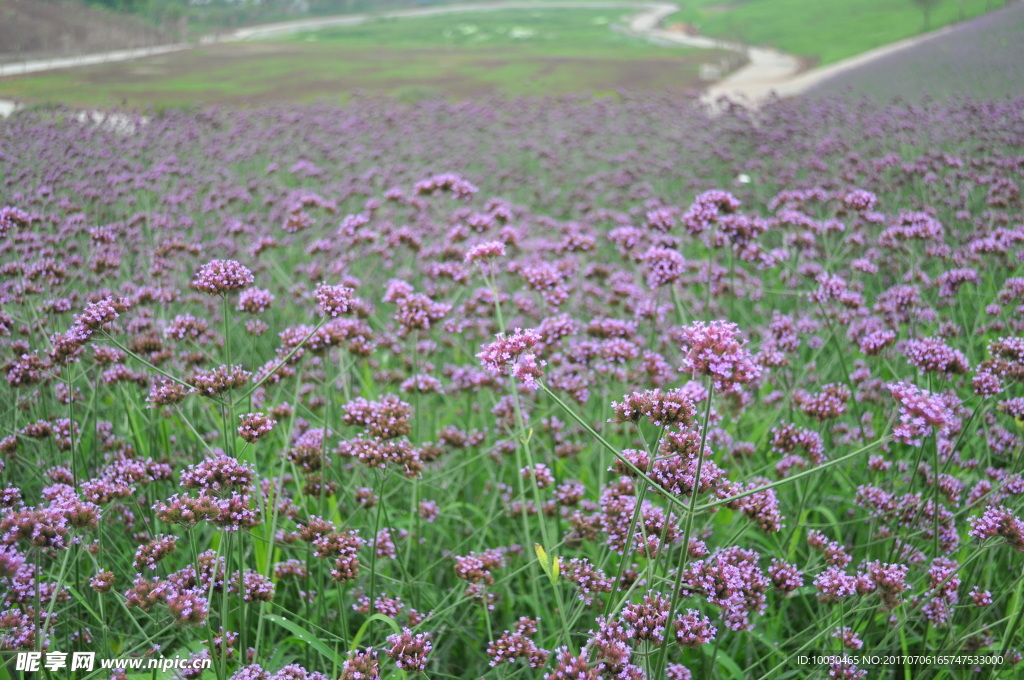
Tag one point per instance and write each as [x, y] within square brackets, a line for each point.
[785, 577]
[589, 578]
[848, 638]
[997, 520]
[920, 413]
[569, 666]
[890, 580]
[834, 585]
[911, 225]
[482, 252]
[254, 300]
[11, 217]
[845, 671]
[186, 326]
[98, 314]
[361, 665]
[986, 384]
[511, 356]
[188, 607]
[693, 629]
[664, 266]
[388, 418]
[410, 651]
[706, 208]
[982, 598]
[662, 408]
[102, 582]
[221, 379]
[676, 671]
[334, 300]
[167, 392]
[932, 355]
[458, 187]
[714, 350]
[219, 277]
[148, 554]
[647, 618]
[517, 644]
[254, 426]
[859, 200]
[218, 473]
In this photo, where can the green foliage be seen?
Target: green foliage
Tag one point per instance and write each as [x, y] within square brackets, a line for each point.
[926, 9]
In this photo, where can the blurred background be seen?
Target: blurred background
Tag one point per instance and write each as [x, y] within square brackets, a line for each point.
[253, 52]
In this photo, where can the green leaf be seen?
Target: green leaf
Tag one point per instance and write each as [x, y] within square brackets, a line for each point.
[830, 516]
[354, 645]
[82, 601]
[307, 637]
[725, 661]
[137, 427]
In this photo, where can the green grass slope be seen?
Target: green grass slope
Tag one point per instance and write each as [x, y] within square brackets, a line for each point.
[822, 30]
[983, 59]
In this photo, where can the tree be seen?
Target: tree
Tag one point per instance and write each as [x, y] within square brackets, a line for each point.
[926, 8]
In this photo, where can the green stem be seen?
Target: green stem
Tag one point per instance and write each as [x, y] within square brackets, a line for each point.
[687, 530]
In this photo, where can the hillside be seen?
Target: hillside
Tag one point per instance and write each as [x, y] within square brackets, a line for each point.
[819, 31]
[33, 29]
[981, 58]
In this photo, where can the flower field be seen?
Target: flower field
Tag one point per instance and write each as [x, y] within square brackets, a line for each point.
[516, 388]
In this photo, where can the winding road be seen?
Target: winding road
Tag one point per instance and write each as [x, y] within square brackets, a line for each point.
[766, 71]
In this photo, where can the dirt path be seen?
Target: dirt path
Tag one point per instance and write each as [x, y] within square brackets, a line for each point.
[7, 107]
[23, 67]
[767, 71]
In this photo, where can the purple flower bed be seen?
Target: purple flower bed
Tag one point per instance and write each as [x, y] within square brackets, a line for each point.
[558, 388]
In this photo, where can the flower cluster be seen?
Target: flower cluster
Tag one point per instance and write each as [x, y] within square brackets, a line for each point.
[670, 408]
[997, 520]
[482, 252]
[218, 380]
[334, 300]
[932, 355]
[409, 650]
[511, 355]
[255, 426]
[387, 418]
[921, 412]
[714, 350]
[518, 644]
[220, 277]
